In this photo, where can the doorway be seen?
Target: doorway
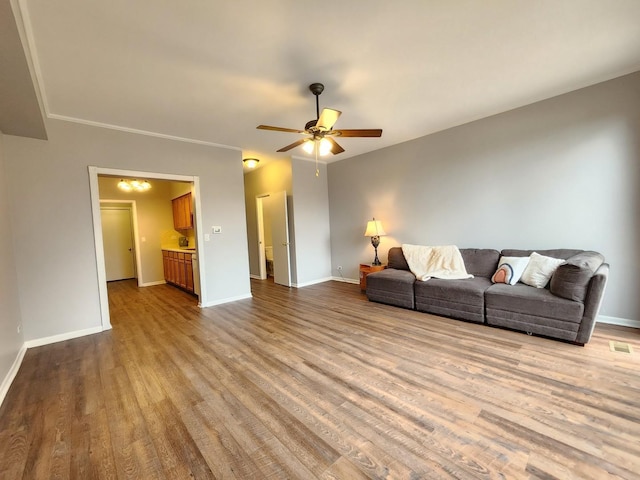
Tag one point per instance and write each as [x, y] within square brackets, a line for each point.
[94, 172]
[273, 237]
[118, 240]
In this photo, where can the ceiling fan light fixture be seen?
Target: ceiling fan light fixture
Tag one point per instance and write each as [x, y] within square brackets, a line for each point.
[325, 147]
[321, 126]
[308, 146]
[251, 162]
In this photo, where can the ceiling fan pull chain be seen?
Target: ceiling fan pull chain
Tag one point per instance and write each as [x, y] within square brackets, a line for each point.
[316, 149]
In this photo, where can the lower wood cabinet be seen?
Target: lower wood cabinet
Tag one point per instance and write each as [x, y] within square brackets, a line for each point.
[178, 269]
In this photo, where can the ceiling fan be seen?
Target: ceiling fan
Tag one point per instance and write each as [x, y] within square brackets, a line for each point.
[321, 129]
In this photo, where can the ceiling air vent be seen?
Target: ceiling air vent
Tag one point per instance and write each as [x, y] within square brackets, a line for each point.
[620, 347]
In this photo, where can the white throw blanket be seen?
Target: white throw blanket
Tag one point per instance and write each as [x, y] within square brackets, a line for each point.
[440, 262]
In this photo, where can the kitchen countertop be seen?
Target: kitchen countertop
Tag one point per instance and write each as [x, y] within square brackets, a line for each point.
[181, 250]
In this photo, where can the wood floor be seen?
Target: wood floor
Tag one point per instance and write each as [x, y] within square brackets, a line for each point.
[317, 383]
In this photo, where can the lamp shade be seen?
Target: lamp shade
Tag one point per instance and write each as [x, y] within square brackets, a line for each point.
[374, 229]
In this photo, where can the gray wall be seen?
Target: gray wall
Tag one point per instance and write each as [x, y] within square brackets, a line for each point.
[311, 222]
[52, 225]
[10, 340]
[564, 172]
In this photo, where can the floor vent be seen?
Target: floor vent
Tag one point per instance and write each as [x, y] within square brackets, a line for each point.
[620, 347]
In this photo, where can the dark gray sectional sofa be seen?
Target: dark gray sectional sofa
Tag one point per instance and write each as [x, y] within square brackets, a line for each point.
[566, 309]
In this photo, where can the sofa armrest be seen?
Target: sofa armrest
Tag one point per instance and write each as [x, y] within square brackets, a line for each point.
[592, 303]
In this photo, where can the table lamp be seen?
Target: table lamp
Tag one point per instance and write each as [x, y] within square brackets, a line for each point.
[375, 230]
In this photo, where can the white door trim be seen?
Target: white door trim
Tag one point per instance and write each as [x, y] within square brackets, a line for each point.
[97, 230]
[262, 262]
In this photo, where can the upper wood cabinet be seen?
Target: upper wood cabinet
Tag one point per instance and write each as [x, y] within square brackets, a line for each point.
[182, 212]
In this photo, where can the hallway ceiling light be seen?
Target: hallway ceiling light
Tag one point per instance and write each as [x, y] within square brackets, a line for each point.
[251, 162]
[134, 185]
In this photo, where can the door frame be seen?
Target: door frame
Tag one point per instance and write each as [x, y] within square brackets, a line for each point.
[94, 189]
[261, 252]
[136, 240]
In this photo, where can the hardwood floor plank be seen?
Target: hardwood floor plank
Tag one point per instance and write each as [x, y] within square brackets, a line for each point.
[177, 451]
[224, 456]
[342, 469]
[317, 383]
[91, 451]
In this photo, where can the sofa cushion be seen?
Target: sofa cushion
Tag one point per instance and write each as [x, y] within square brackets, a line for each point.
[535, 301]
[396, 259]
[539, 270]
[535, 310]
[462, 299]
[480, 262]
[391, 286]
[571, 280]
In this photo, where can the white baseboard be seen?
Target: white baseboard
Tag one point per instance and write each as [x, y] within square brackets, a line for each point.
[225, 300]
[312, 282]
[623, 322]
[151, 284]
[11, 374]
[38, 342]
[345, 280]
[255, 277]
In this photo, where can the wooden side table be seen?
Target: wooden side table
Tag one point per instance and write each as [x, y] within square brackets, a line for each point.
[366, 269]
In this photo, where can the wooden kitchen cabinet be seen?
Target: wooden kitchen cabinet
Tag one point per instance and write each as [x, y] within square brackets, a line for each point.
[178, 269]
[182, 212]
[188, 266]
[166, 265]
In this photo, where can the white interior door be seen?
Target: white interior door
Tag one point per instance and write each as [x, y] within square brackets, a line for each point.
[117, 237]
[280, 238]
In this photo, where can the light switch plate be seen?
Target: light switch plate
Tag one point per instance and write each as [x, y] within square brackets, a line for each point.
[207, 237]
[216, 229]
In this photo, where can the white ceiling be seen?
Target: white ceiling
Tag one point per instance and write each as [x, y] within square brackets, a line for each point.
[211, 71]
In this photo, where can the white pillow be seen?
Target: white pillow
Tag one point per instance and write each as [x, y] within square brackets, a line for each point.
[539, 270]
[510, 270]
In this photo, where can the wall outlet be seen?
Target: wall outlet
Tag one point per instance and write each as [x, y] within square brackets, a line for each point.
[216, 229]
[207, 237]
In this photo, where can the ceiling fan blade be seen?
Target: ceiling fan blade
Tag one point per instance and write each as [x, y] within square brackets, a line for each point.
[279, 129]
[328, 118]
[293, 145]
[335, 148]
[370, 132]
